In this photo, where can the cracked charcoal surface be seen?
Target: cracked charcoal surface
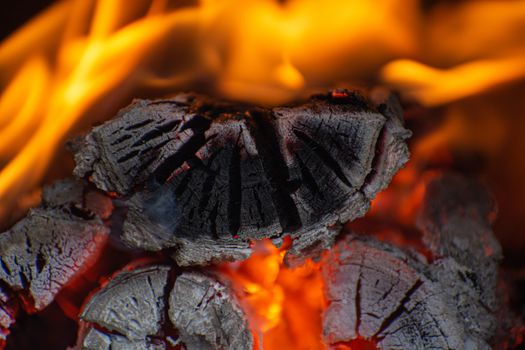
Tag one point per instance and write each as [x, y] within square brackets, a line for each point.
[455, 217]
[131, 304]
[206, 315]
[131, 312]
[6, 317]
[45, 250]
[93, 339]
[401, 300]
[206, 177]
[378, 292]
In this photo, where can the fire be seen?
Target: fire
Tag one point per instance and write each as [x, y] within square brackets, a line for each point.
[90, 57]
[283, 305]
[81, 60]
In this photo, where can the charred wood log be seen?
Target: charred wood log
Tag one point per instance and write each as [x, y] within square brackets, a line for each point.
[149, 308]
[46, 250]
[206, 177]
[400, 300]
[206, 315]
[7, 316]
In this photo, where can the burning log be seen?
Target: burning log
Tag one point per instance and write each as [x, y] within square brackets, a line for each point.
[400, 299]
[46, 250]
[149, 308]
[206, 177]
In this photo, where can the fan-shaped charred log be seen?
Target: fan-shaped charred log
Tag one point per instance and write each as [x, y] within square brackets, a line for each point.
[207, 177]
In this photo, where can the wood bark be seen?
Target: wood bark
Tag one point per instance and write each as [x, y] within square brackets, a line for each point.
[401, 300]
[206, 177]
[150, 308]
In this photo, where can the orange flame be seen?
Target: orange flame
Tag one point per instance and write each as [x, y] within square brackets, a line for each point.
[81, 60]
[91, 56]
[283, 305]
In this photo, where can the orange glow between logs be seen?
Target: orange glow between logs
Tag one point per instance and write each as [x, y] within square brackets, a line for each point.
[283, 305]
[80, 61]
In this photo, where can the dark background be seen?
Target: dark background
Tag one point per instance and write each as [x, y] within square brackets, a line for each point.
[15, 13]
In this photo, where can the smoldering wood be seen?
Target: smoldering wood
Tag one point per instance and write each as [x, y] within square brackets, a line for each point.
[455, 217]
[78, 193]
[46, 250]
[379, 292]
[403, 301]
[7, 316]
[150, 308]
[130, 305]
[94, 339]
[206, 177]
[207, 315]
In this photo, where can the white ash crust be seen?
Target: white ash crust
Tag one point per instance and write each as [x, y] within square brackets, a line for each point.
[379, 292]
[131, 304]
[401, 300]
[456, 218]
[93, 339]
[141, 309]
[46, 250]
[207, 315]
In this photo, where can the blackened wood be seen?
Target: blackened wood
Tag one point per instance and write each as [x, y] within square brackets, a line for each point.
[7, 316]
[149, 308]
[94, 339]
[456, 217]
[206, 177]
[131, 304]
[402, 301]
[378, 292]
[207, 315]
[48, 248]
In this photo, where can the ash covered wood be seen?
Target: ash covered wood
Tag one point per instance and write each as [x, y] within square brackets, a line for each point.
[455, 218]
[7, 316]
[151, 308]
[206, 314]
[400, 300]
[206, 177]
[46, 250]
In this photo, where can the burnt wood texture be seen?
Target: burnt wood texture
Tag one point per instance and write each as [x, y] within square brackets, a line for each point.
[47, 249]
[151, 308]
[205, 177]
[402, 299]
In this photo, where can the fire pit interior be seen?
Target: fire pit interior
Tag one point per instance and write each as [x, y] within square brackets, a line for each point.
[263, 174]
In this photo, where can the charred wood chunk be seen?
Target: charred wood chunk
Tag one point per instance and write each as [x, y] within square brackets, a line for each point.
[195, 172]
[206, 314]
[455, 218]
[46, 250]
[79, 195]
[7, 317]
[150, 308]
[131, 304]
[399, 301]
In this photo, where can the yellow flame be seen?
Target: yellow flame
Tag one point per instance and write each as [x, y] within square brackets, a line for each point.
[433, 86]
[283, 305]
[94, 55]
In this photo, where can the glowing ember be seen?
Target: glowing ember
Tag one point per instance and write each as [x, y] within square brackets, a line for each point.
[358, 344]
[283, 305]
[81, 60]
